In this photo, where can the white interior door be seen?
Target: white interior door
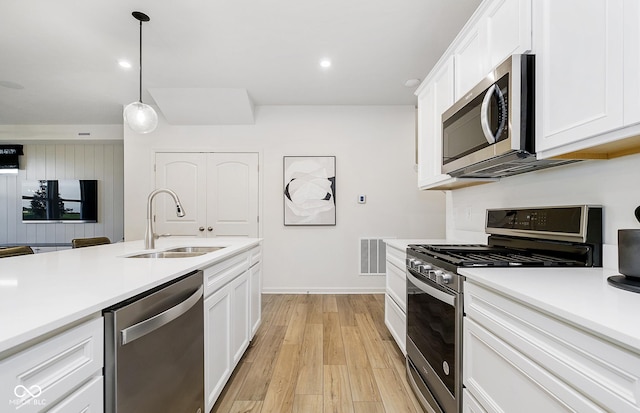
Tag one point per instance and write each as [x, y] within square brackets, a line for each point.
[232, 194]
[185, 174]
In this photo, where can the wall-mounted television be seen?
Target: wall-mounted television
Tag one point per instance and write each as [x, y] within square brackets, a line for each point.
[60, 201]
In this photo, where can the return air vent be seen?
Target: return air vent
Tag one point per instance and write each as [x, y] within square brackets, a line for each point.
[373, 256]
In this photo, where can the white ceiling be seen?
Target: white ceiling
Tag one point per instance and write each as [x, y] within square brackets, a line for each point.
[59, 59]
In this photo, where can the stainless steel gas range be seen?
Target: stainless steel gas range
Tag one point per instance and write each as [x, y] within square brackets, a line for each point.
[567, 236]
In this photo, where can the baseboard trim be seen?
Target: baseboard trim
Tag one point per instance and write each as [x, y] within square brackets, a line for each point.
[380, 290]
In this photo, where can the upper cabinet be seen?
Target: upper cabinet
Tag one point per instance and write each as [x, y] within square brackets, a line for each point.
[587, 77]
[497, 29]
[433, 100]
[579, 70]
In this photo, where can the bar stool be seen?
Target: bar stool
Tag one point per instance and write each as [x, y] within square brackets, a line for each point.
[15, 251]
[89, 242]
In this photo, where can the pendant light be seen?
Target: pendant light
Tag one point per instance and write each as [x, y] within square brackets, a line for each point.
[139, 116]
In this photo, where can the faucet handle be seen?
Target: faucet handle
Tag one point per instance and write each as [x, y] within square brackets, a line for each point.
[156, 236]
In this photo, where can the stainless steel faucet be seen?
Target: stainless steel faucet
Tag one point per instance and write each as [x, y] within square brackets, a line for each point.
[149, 235]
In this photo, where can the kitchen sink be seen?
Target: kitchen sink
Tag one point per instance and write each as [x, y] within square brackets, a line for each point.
[168, 254]
[195, 249]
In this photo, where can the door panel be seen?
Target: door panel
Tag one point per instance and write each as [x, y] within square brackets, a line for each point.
[185, 174]
[232, 194]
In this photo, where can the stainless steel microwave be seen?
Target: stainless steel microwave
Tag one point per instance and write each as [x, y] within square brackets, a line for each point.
[490, 132]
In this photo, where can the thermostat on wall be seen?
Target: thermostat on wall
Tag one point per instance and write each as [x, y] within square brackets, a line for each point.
[362, 199]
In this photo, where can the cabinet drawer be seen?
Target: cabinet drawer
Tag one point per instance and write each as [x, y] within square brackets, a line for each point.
[220, 274]
[470, 404]
[602, 371]
[397, 285]
[87, 399]
[396, 321]
[255, 256]
[396, 257]
[35, 378]
[504, 380]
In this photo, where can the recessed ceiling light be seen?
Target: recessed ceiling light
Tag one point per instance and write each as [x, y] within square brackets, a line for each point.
[325, 63]
[125, 64]
[412, 82]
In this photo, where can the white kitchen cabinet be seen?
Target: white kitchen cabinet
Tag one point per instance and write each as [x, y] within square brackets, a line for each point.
[579, 70]
[231, 317]
[470, 60]
[631, 78]
[470, 404]
[87, 399]
[395, 308]
[240, 327]
[507, 28]
[517, 358]
[62, 370]
[217, 343]
[219, 193]
[498, 29]
[255, 285]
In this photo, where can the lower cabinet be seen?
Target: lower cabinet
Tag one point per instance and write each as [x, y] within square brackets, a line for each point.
[395, 303]
[217, 344]
[232, 314]
[60, 374]
[520, 359]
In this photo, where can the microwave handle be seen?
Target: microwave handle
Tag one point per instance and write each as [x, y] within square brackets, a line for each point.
[484, 114]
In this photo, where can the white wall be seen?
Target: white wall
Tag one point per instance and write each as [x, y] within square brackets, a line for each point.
[374, 149]
[101, 161]
[611, 183]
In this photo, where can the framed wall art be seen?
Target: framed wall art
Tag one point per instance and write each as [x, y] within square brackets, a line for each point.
[309, 190]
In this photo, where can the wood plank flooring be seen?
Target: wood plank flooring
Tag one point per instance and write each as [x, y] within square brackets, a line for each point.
[320, 354]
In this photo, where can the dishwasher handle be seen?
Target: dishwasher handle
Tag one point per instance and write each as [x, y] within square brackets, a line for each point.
[145, 327]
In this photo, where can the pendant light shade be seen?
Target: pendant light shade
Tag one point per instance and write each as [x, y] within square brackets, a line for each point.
[140, 117]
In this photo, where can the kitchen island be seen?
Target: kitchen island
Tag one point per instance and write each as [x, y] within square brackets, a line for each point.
[51, 311]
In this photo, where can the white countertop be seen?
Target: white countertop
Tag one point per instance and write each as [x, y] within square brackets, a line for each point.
[42, 292]
[580, 296]
[402, 244]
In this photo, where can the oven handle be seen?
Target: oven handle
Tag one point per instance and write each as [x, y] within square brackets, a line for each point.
[434, 292]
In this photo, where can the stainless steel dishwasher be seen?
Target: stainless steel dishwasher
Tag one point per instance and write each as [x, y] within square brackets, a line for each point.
[154, 350]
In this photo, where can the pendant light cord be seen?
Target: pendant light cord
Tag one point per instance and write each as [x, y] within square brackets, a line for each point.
[140, 98]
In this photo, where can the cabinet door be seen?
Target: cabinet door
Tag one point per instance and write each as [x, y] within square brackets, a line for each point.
[232, 194]
[185, 174]
[508, 30]
[470, 56]
[470, 404]
[217, 343]
[433, 100]
[255, 304]
[631, 62]
[87, 399]
[504, 380]
[239, 317]
[579, 70]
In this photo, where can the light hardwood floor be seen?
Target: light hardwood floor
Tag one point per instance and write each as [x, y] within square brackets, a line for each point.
[320, 353]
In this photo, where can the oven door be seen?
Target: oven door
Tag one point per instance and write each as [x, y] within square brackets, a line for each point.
[434, 332]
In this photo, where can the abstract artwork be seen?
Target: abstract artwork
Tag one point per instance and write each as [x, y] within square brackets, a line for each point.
[310, 190]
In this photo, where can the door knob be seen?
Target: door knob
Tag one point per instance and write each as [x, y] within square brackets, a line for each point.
[201, 229]
[210, 229]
